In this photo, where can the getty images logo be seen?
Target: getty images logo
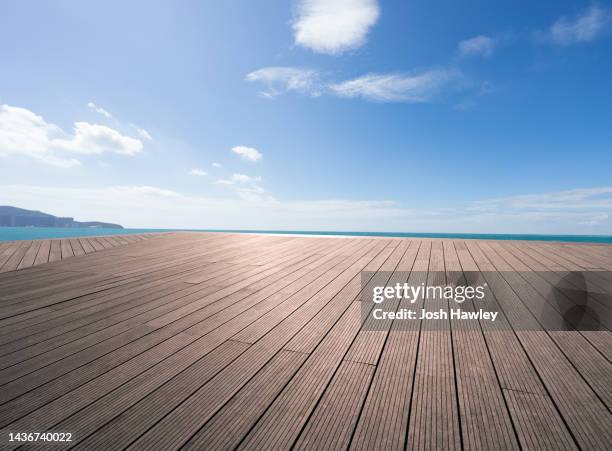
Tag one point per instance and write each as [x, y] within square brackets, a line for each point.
[457, 293]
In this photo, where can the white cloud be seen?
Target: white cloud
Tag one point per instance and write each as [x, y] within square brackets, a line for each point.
[584, 28]
[217, 165]
[98, 109]
[198, 172]
[23, 132]
[411, 88]
[479, 45]
[94, 139]
[279, 80]
[334, 26]
[247, 153]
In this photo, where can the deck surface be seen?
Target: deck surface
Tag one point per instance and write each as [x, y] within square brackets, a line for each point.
[226, 341]
[27, 253]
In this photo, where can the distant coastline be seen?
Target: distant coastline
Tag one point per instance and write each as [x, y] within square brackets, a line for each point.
[20, 217]
[35, 233]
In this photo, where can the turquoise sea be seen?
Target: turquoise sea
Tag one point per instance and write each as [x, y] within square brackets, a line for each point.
[35, 233]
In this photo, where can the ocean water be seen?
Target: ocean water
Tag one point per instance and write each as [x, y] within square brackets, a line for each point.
[35, 233]
[39, 233]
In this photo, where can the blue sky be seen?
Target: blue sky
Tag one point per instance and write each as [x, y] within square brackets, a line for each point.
[414, 116]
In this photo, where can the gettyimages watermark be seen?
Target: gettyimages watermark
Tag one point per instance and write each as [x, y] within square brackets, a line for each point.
[512, 300]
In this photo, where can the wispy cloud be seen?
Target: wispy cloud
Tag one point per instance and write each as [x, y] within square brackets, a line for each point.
[217, 165]
[477, 46]
[410, 88]
[577, 199]
[587, 210]
[280, 80]
[247, 153]
[585, 27]
[395, 87]
[142, 132]
[246, 187]
[465, 105]
[334, 26]
[139, 206]
[236, 179]
[253, 193]
[25, 133]
[152, 192]
[198, 172]
[595, 220]
[568, 211]
[98, 109]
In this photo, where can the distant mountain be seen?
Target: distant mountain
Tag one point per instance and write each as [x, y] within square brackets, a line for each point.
[18, 217]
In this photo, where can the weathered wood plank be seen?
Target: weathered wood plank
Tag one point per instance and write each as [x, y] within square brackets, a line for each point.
[120, 339]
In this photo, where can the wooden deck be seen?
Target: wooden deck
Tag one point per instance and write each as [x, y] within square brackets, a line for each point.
[27, 253]
[224, 341]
